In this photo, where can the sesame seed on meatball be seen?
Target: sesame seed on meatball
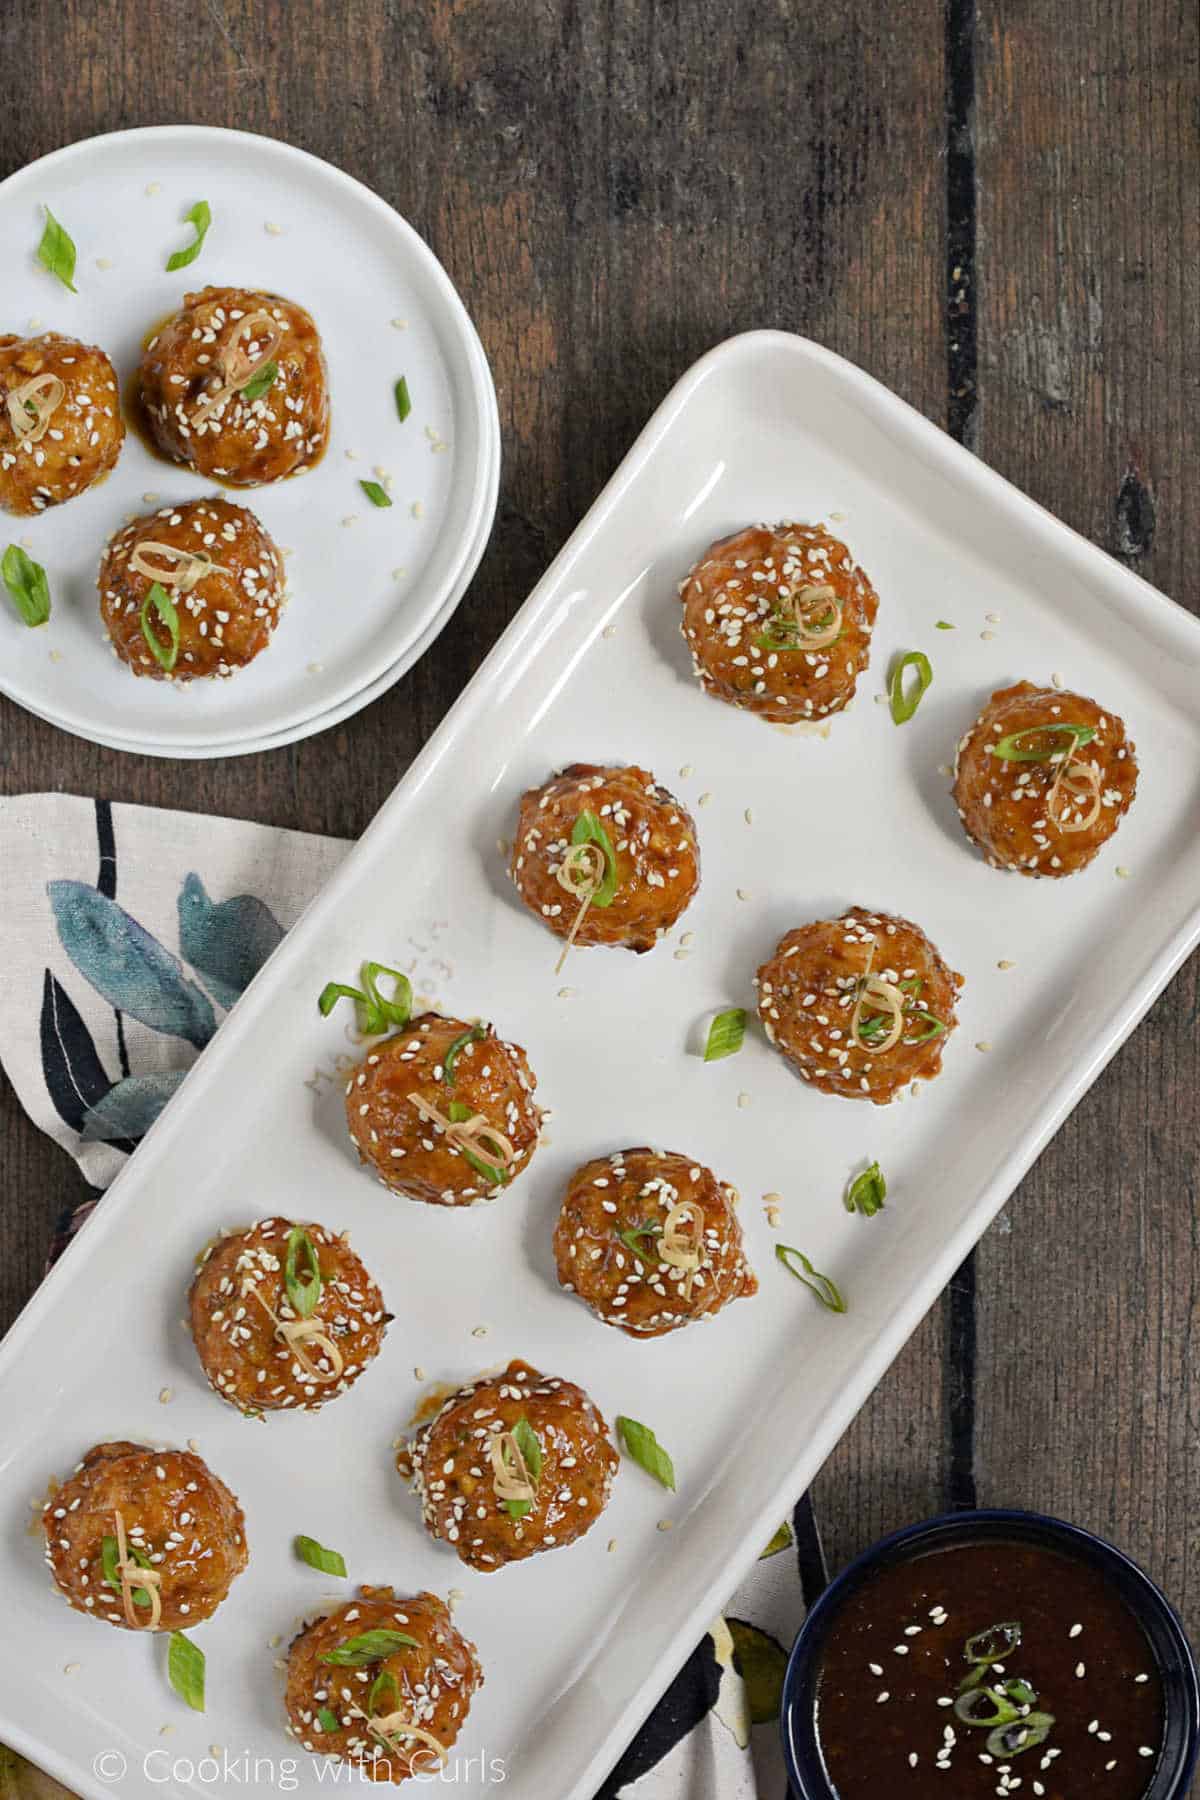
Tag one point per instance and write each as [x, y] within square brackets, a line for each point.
[234, 386]
[639, 883]
[778, 620]
[61, 428]
[860, 1006]
[1042, 779]
[222, 575]
[149, 1540]
[260, 1351]
[650, 1241]
[443, 1111]
[510, 1465]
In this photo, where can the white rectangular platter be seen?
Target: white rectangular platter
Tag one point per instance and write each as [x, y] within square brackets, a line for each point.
[577, 1644]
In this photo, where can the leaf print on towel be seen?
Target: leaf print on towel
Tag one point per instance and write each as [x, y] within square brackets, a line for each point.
[760, 1660]
[76, 1079]
[127, 966]
[129, 1108]
[227, 943]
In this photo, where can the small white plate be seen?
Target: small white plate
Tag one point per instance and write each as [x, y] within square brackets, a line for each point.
[363, 594]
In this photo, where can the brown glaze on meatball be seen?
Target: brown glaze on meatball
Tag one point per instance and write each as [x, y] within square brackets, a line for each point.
[778, 620]
[444, 1111]
[653, 839]
[61, 428]
[196, 371]
[1051, 803]
[256, 1349]
[471, 1455]
[220, 570]
[176, 1517]
[395, 1715]
[650, 1240]
[860, 1006]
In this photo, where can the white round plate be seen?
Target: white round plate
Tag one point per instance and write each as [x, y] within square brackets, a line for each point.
[365, 595]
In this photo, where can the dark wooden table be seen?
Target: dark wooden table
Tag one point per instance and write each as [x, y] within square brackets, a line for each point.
[991, 207]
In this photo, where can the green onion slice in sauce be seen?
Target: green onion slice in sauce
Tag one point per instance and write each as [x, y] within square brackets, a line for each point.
[368, 1647]
[160, 603]
[303, 1291]
[475, 1036]
[1042, 743]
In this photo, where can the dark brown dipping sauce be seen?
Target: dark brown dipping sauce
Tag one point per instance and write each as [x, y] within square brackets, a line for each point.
[884, 1736]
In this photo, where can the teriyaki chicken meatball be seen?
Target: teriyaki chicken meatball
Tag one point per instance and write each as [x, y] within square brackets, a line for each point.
[149, 1540]
[61, 428]
[444, 1111]
[860, 1006]
[650, 1241]
[605, 856]
[223, 582]
[778, 620]
[284, 1316]
[1042, 780]
[511, 1464]
[383, 1683]
[234, 386]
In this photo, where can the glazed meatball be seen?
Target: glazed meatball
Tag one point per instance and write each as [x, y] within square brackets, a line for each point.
[61, 428]
[444, 1111]
[146, 1539]
[628, 890]
[1042, 780]
[211, 400]
[284, 1315]
[778, 620]
[860, 1006]
[395, 1714]
[220, 571]
[650, 1240]
[511, 1464]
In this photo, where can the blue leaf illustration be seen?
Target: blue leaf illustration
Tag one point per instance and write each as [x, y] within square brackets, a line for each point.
[75, 1077]
[228, 944]
[127, 966]
[129, 1109]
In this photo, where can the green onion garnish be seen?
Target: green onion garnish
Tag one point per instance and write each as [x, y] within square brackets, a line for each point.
[328, 1721]
[56, 252]
[376, 493]
[185, 1670]
[26, 582]
[823, 1286]
[630, 1240]
[200, 216]
[944, 625]
[108, 1556]
[726, 1034]
[377, 1013]
[1001, 1710]
[260, 381]
[1024, 1734]
[303, 1292]
[383, 1697]
[867, 1192]
[368, 1647]
[996, 1642]
[458, 1114]
[905, 705]
[646, 1451]
[528, 1443]
[403, 403]
[329, 1562]
[165, 655]
[476, 1035]
[934, 1027]
[588, 830]
[1011, 749]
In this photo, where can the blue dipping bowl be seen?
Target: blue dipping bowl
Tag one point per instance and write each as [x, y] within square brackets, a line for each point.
[1173, 1654]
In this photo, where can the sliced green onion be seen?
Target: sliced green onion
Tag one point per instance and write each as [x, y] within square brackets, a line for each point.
[630, 1240]
[516, 1509]
[1002, 1711]
[458, 1114]
[383, 1696]
[368, 1647]
[260, 381]
[302, 1292]
[527, 1442]
[166, 656]
[726, 1034]
[377, 1012]
[200, 216]
[944, 625]
[1010, 748]
[588, 830]
[1019, 1691]
[867, 1192]
[56, 252]
[475, 1036]
[376, 493]
[823, 1286]
[328, 1721]
[26, 582]
[329, 1562]
[185, 1670]
[905, 705]
[108, 1557]
[995, 1643]
[934, 1027]
[646, 1451]
[1025, 1734]
[403, 403]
